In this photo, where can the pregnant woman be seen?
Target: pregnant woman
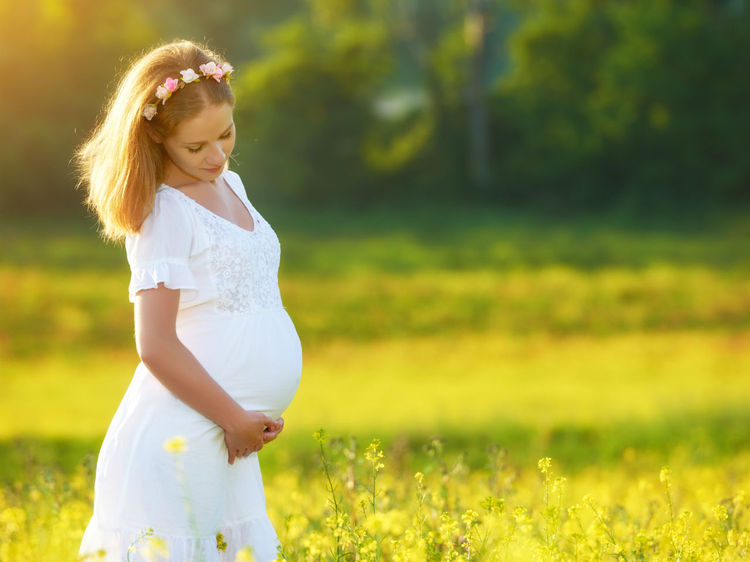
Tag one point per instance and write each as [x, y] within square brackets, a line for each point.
[220, 357]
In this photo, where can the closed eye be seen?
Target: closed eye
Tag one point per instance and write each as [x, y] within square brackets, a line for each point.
[225, 136]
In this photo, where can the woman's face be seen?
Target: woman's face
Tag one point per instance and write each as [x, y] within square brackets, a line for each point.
[200, 146]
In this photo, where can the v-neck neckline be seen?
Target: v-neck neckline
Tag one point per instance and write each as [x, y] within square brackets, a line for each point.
[247, 208]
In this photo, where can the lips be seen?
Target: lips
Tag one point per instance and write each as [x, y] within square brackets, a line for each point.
[213, 170]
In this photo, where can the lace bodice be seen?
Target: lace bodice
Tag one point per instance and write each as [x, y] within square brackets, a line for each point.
[209, 258]
[244, 263]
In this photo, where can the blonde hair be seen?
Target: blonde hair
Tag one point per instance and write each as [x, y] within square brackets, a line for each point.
[120, 163]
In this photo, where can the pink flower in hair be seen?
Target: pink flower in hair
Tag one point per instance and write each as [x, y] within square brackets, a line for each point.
[162, 93]
[208, 69]
[171, 84]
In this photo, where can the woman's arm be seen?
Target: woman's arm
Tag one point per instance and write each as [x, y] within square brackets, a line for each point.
[180, 372]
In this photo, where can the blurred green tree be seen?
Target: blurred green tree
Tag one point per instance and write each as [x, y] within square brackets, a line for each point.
[633, 105]
[306, 104]
[637, 105]
[58, 56]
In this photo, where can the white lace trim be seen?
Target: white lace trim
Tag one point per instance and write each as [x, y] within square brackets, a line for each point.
[115, 545]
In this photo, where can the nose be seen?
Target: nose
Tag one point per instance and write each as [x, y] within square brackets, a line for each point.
[217, 156]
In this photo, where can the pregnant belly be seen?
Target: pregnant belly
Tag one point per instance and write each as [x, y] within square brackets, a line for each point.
[256, 358]
[266, 376]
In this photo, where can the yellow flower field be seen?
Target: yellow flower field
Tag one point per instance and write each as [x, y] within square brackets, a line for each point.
[359, 507]
[491, 390]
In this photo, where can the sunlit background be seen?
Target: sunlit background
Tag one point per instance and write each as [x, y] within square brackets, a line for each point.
[510, 222]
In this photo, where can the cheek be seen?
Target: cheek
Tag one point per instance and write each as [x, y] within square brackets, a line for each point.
[180, 156]
[185, 160]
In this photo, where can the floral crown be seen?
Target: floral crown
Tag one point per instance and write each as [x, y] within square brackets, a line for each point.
[209, 70]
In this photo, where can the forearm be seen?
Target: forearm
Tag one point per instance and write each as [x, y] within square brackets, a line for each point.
[182, 374]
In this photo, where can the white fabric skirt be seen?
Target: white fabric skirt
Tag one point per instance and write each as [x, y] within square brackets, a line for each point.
[187, 497]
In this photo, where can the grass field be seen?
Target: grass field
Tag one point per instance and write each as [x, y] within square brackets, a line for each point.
[613, 349]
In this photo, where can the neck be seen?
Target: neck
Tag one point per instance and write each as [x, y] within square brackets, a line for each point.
[175, 176]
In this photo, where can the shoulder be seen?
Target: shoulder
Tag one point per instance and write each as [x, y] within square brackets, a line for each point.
[233, 176]
[169, 205]
[235, 182]
[168, 212]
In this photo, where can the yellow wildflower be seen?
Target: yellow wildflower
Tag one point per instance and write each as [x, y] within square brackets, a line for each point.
[470, 518]
[374, 453]
[544, 464]
[665, 475]
[221, 544]
[493, 504]
[245, 555]
[320, 436]
[176, 444]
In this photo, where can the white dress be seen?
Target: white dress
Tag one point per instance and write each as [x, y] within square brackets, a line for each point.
[231, 318]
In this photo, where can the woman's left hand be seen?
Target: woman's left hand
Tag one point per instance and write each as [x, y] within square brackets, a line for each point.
[270, 435]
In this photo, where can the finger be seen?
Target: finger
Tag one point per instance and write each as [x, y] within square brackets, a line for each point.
[229, 452]
[270, 436]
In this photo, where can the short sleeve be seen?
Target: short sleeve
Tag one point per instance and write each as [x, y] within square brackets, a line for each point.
[160, 252]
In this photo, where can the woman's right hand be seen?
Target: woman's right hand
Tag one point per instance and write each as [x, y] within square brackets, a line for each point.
[245, 435]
